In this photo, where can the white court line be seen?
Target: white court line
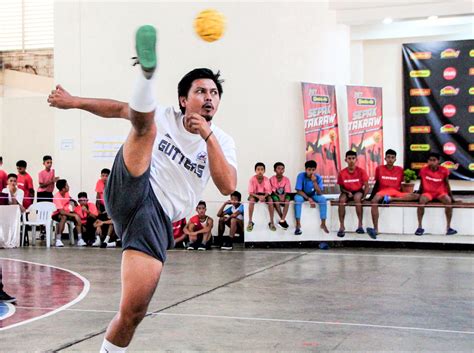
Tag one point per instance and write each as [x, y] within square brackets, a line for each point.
[11, 311]
[386, 255]
[311, 322]
[81, 296]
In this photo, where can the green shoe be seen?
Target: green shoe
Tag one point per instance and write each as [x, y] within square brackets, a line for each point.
[250, 227]
[145, 44]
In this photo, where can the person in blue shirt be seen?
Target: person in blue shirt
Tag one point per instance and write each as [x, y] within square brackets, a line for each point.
[233, 217]
[309, 187]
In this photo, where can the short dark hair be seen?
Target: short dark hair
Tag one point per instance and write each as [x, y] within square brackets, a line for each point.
[12, 175]
[1, 159]
[21, 163]
[47, 158]
[237, 194]
[82, 194]
[351, 153]
[259, 164]
[278, 164]
[310, 164]
[390, 152]
[105, 171]
[187, 81]
[201, 203]
[61, 184]
[435, 155]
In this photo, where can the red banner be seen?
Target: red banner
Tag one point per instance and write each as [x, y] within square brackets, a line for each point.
[322, 132]
[364, 109]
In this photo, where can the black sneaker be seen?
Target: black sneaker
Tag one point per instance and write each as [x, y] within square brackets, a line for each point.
[202, 247]
[227, 245]
[5, 298]
[192, 246]
[283, 225]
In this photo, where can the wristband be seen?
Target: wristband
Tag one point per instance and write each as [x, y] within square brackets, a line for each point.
[205, 140]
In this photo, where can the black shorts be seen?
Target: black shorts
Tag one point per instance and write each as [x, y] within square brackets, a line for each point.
[44, 196]
[139, 220]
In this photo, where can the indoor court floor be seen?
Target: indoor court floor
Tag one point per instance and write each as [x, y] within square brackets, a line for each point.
[280, 300]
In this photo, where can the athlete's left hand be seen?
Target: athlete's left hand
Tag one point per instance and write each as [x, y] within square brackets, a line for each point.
[197, 124]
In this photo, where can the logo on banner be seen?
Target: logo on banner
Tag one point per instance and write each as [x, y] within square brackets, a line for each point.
[450, 165]
[471, 53]
[471, 166]
[450, 53]
[449, 110]
[449, 129]
[471, 109]
[320, 99]
[418, 165]
[449, 73]
[471, 147]
[420, 73]
[449, 91]
[421, 55]
[471, 129]
[420, 129]
[449, 148]
[471, 71]
[365, 101]
[420, 92]
[420, 147]
[420, 110]
[471, 91]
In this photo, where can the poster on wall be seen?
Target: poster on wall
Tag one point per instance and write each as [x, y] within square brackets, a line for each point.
[322, 132]
[365, 124]
[438, 82]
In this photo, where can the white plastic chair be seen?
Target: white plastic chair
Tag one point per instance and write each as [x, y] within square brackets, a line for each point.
[39, 215]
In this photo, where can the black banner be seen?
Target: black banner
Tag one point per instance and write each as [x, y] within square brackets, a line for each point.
[439, 105]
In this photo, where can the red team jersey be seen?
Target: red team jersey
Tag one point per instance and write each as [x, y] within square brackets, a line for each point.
[389, 179]
[3, 179]
[433, 182]
[352, 181]
[25, 183]
[197, 222]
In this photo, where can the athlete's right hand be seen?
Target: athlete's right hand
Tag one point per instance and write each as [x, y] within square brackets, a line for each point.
[60, 98]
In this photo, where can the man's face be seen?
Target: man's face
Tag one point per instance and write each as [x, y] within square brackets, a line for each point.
[83, 201]
[310, 171]
[47, 164]
[11, 182]
[351, 161]
[66, 188]
[390, 159]
[234, 200]
[201, 210]
[433, 162]
[21, 170]
[104, 176]
[203, 98]
[259, 171]
[280, 170]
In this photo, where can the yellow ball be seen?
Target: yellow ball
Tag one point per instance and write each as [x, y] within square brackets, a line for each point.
[209, 25]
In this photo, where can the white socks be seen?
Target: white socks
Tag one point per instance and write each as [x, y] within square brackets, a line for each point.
[143, 95]
[108, 347]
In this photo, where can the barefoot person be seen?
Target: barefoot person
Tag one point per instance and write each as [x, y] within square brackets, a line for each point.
[158, 175]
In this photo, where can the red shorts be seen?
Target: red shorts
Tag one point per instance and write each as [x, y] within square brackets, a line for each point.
[434, 196]
[391, 192]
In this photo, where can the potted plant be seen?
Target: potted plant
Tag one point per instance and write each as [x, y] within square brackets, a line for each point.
[408, 176]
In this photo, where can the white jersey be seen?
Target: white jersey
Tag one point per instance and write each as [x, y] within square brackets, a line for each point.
[180, 166]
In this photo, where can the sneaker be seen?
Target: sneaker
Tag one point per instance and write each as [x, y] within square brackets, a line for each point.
[81, 242]
[372, 233]
[283, 225]
[5, 298]
[298, 231]
[97, 242]
[192, 246]
[103, 245]
[227, 244]
[272, 227]
[419, 231]
[112, 244]
[451, 231]
[386, 200]
[202, 247]
[59, 243]
[250, 226]
[145, 45]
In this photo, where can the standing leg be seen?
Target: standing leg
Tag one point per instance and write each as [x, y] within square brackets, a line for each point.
[138, 287]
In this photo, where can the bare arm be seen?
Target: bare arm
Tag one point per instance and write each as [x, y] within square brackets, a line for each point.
[106, 108]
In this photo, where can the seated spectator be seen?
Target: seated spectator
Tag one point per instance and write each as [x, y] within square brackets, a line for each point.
[281, 189]
[309, 187]
[354, 184]
[435, 186]
[105, 226]
[25, 183]
[387, 188]
[178, 234]
[3, 176]
[199, 229]
[88, 213]
[15, 194]
[46, 180]
[65, 212]
[260, 190]
[233, 217]
[99, 189]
